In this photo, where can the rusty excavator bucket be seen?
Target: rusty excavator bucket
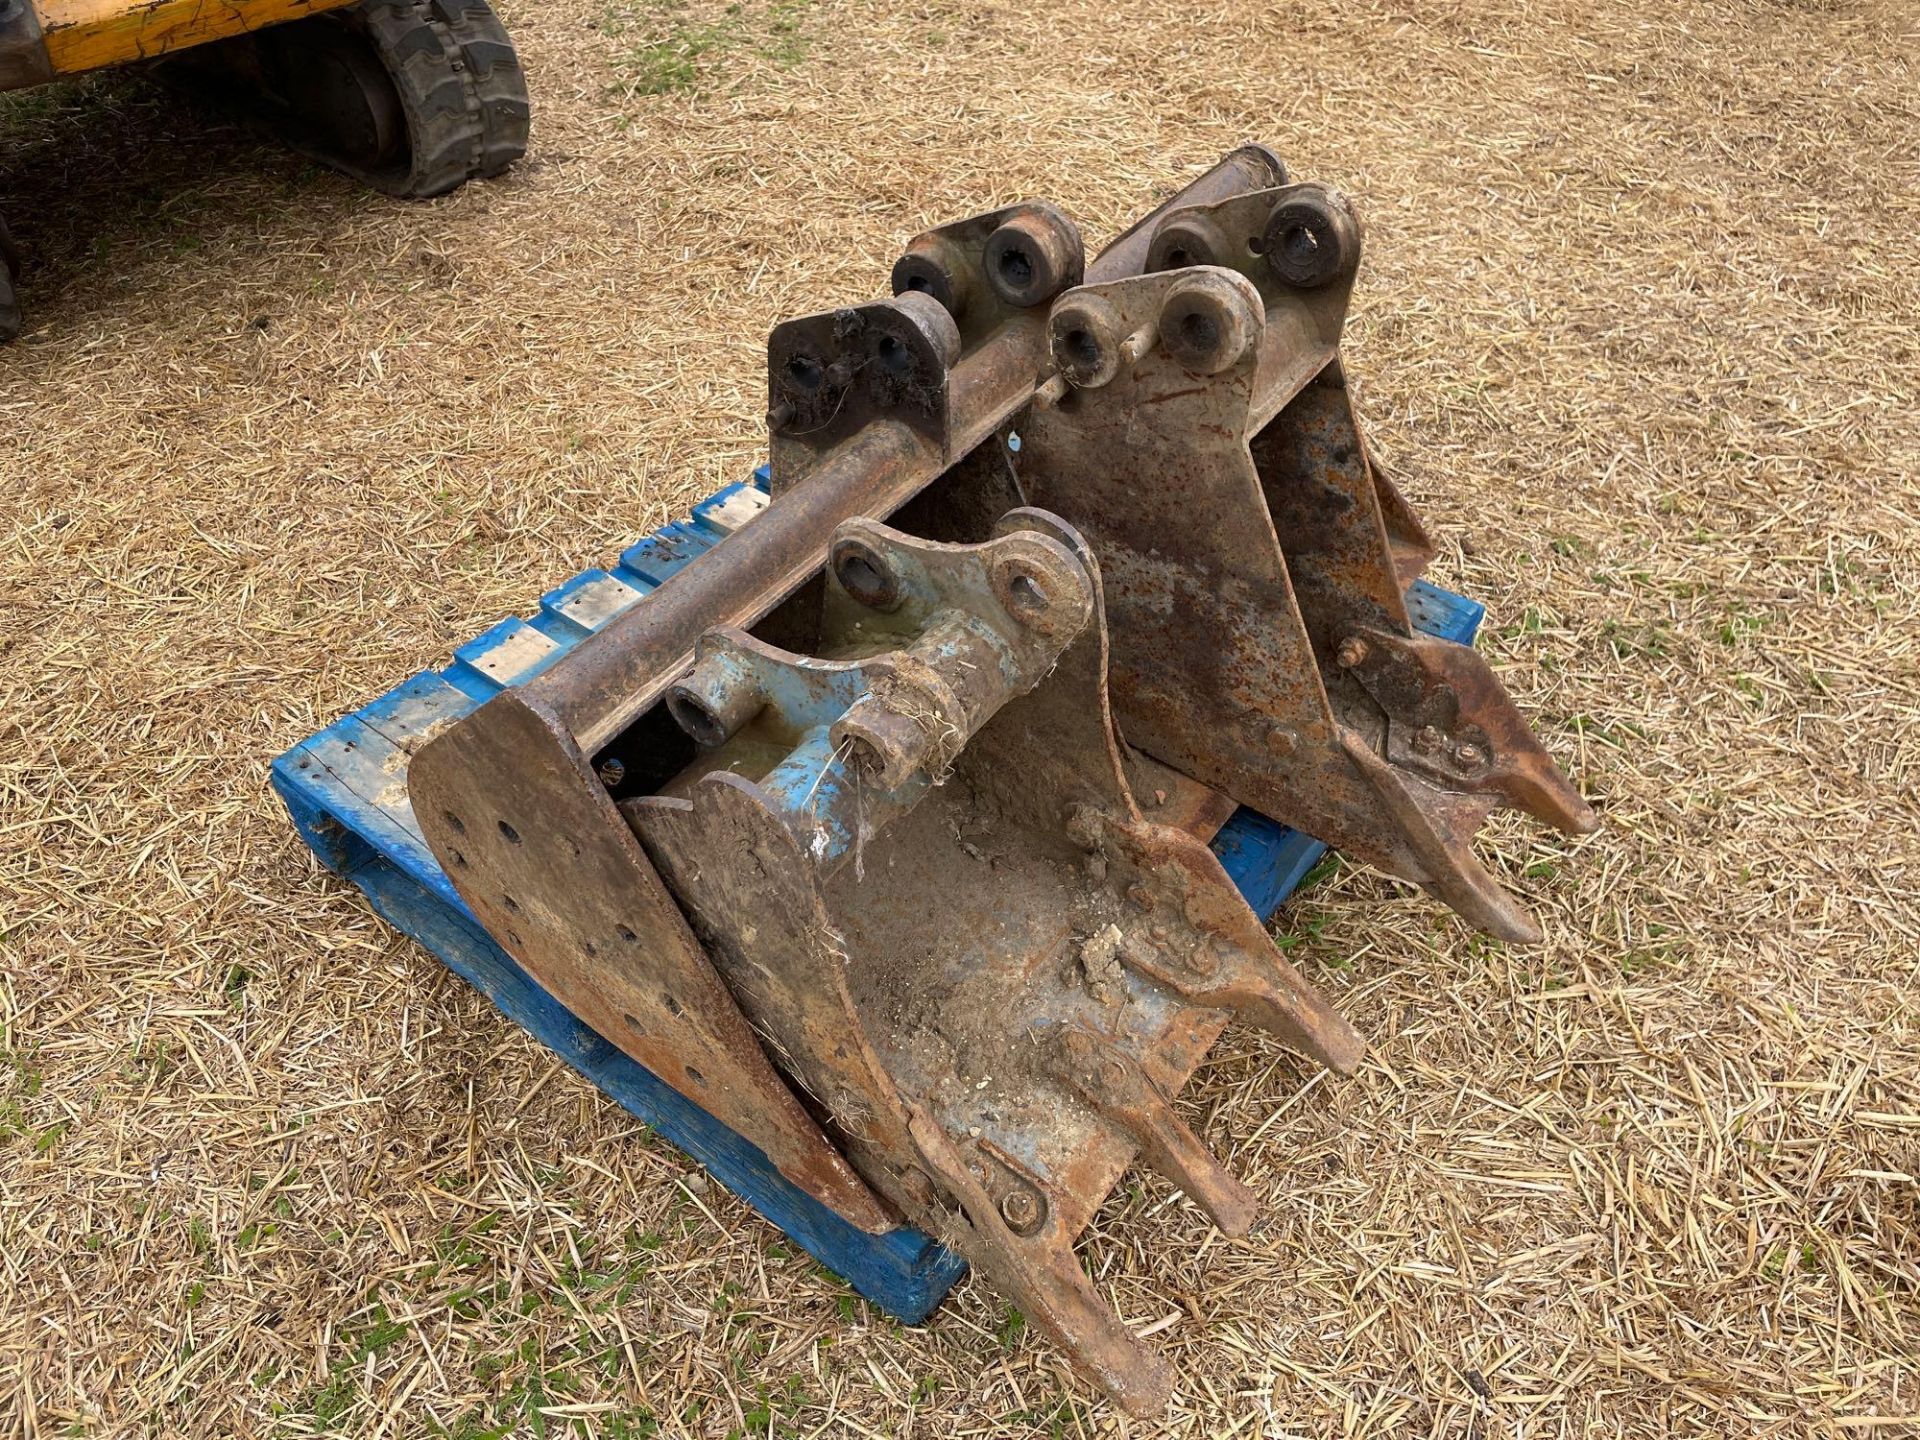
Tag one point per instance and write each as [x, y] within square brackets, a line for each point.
[841, 834]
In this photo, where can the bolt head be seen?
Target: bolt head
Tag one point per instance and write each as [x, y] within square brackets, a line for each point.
[1282, 740]
[1351, 652]
[1468, 754]
[1022, 1209]
[1203, 960]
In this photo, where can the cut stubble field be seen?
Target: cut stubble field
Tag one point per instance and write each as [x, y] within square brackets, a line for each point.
[1637, 330]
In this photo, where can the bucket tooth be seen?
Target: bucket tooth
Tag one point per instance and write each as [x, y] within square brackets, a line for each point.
[1271, 996]
[1123, 1094]
[1039, 1273]
[1441, 849]
[1448, 714]
[1222, 957]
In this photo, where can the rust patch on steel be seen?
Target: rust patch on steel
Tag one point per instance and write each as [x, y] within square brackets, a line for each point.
[542, 857]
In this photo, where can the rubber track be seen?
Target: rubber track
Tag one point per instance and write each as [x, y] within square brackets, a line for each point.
[460, 88]
[498, 82]
[10, 317]
[462, 94]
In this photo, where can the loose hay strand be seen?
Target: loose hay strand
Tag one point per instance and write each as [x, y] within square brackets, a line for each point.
[1636, 332]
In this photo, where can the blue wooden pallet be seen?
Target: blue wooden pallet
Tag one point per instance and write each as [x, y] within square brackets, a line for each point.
[346, 789]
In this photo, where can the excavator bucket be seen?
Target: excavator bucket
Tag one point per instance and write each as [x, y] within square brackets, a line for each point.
[880, 830]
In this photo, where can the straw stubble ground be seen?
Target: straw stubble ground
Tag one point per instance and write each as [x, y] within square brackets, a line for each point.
[1636, 330]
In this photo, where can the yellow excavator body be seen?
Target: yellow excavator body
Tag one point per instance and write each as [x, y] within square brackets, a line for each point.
[52, 38]
[413, 97]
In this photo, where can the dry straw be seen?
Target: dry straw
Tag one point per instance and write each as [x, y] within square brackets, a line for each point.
[1637, 329]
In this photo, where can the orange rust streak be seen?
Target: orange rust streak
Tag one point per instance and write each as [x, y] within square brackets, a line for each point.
[88, 34]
